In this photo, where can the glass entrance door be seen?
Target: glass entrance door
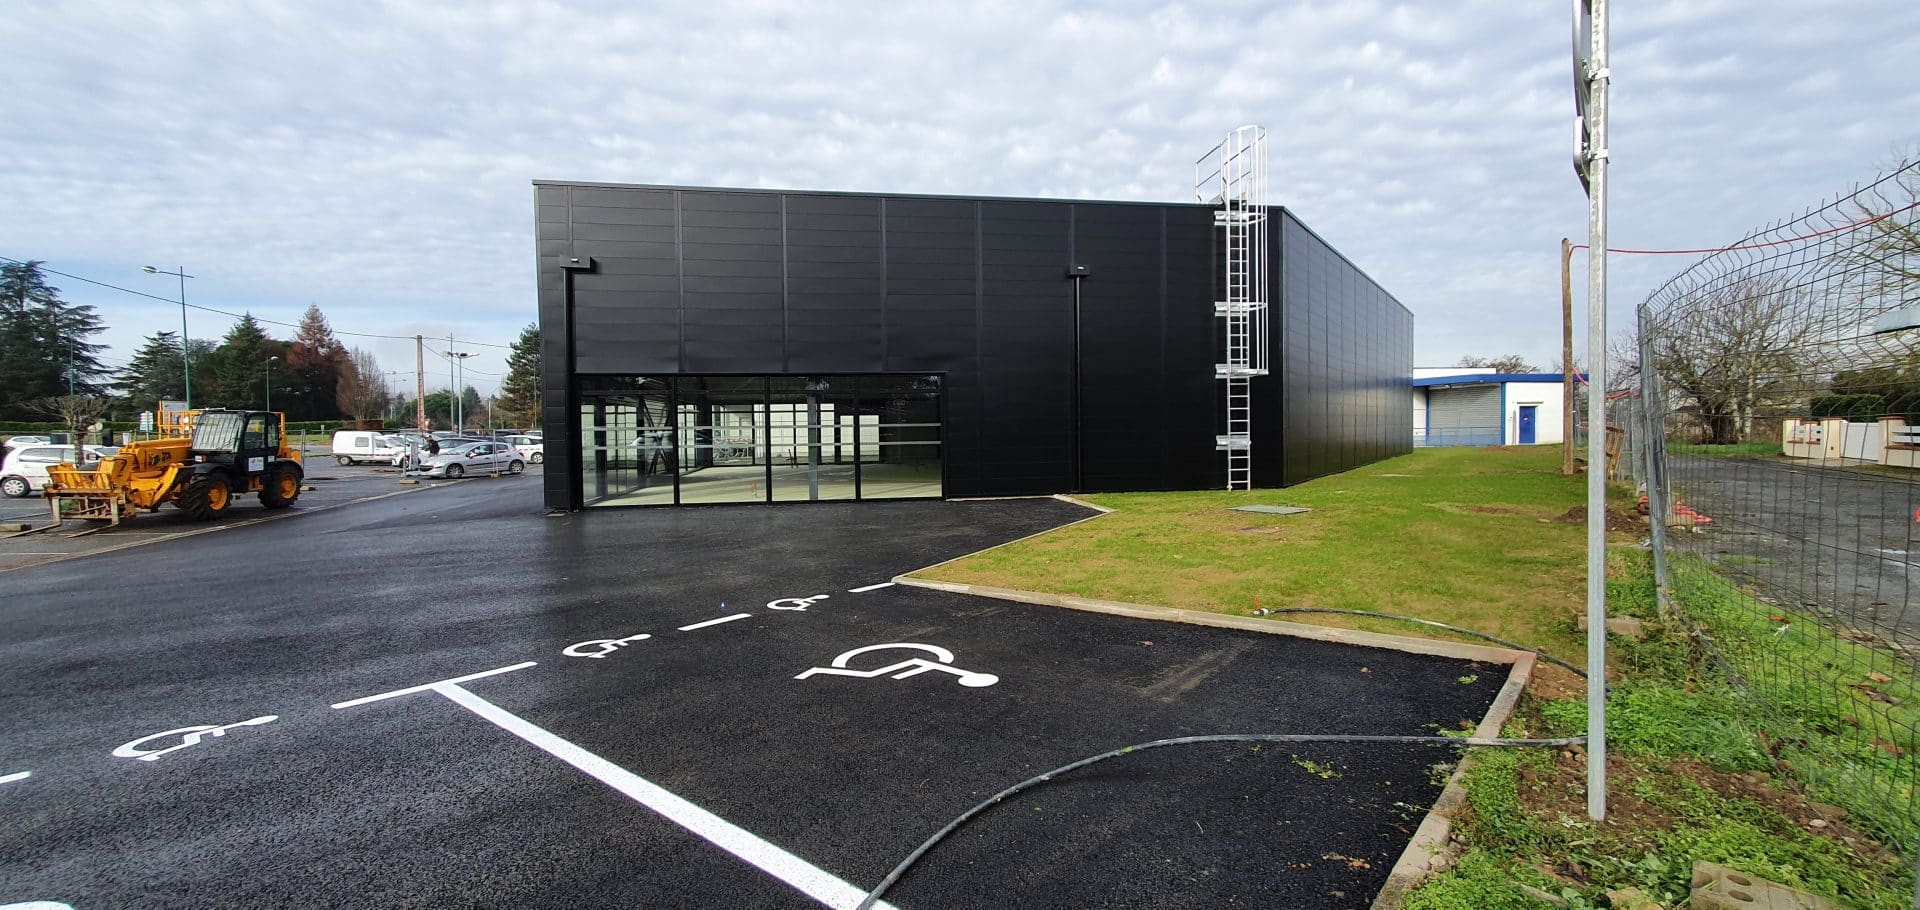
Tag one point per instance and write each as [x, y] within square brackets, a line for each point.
[736, 439]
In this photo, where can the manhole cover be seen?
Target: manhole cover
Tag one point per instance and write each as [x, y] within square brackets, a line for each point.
[1272, 510]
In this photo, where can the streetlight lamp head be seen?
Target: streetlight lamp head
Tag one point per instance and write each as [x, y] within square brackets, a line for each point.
[149, 270]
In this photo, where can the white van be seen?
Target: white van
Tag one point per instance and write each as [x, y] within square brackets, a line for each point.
[352, 446]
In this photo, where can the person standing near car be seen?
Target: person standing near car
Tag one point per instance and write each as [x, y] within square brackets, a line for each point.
[433, 446]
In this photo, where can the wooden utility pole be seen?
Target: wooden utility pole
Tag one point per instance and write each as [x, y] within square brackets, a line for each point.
[1566, 357]
[420, 383]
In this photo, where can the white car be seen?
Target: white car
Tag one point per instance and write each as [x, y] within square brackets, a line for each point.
[21, 442]
[473, 458]
[528, 447]
[25, 469]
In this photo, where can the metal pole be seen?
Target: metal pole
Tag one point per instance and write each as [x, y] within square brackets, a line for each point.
[1655, 402]
[420, 382]
[1566, 357]
[186, 349]
[1597, 423]
[269, 406]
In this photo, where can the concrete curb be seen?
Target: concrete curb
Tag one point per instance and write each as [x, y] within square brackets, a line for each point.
[1426, 852]
[907, 577]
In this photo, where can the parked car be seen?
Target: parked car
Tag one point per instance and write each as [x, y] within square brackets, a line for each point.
[528, 447]
[473, 458]
[351, 446]
[24, 470]
[20, 442]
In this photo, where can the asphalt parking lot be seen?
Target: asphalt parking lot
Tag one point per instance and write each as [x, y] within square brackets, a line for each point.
[1844, 541]
[333, 485]
[721, 707]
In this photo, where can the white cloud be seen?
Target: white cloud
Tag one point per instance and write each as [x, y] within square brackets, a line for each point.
[375, 159]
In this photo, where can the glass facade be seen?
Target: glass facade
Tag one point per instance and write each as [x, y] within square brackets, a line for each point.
[664, 440]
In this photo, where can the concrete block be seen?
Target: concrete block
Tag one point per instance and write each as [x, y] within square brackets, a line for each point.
[1623, 626]
[13, 526]
[1716, 887]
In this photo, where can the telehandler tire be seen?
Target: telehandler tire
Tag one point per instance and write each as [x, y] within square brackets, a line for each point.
[206, 497]
[279, 489]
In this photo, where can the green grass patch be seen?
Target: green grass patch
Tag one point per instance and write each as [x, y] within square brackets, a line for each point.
[1736, 449]
[1468, 536]
[1841, 713]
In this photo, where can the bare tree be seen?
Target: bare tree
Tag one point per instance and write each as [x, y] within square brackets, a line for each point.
[1505, 363]
[1890, 254]
[82, 414]
[362, 390]
[1737, 349]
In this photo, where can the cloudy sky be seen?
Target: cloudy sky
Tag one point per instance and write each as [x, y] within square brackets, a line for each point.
[375, 158]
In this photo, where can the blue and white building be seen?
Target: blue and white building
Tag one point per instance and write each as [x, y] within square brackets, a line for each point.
[1464, 406]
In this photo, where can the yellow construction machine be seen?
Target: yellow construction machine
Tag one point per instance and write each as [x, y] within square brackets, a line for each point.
[198, 460]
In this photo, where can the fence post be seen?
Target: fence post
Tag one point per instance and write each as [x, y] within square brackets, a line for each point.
[1654, 408]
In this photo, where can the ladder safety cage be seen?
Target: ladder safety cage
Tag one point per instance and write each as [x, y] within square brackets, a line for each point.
[1233, 176]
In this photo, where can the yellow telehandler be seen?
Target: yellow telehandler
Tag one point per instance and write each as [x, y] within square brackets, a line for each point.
[199, 461]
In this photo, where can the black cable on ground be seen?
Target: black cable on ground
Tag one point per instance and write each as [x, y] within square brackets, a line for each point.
[964, 817]
[1438, 625]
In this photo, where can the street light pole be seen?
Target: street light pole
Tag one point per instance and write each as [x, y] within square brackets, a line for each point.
[270, 361]
[186, 353]
[461, 395]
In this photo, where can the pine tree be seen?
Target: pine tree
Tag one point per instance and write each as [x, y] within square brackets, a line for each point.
[154, 373]
[519, 402]
[472, 410]
[316, 361]
[236, 371]
[45, 349]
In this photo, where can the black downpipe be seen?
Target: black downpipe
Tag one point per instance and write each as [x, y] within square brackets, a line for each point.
[576, 461]
[1077, 274]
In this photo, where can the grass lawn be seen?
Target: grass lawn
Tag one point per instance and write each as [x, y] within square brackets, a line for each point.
[1490, 539]
[1473, 537]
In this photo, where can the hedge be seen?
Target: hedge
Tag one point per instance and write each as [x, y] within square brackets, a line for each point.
[1862, 408]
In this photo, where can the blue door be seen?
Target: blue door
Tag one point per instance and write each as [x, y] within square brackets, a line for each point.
[1526, 423]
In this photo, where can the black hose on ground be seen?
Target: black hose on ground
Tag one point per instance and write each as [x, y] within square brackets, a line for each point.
[964, 817]
[1438, 625]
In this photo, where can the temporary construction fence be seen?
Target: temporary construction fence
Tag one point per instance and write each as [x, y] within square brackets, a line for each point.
[1774, 422]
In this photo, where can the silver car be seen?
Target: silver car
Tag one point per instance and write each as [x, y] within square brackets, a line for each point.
[473, 458]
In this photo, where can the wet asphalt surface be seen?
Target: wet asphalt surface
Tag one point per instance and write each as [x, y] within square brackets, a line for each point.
[1842, 542]
[417, 801]
[332, 483]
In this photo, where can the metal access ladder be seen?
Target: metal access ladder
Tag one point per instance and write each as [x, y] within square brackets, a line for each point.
[1233, 176]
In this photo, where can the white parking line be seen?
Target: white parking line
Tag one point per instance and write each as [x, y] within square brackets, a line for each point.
[714, 622]
[803, 876]
[17, 775]
[884, 584]
[445, 682]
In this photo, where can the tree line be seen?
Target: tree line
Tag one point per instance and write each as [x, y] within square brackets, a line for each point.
[49, 351]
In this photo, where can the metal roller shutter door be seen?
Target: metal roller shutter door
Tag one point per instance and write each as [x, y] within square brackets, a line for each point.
[1465, 416]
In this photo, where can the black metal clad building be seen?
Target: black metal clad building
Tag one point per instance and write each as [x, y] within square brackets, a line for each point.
[708, 345]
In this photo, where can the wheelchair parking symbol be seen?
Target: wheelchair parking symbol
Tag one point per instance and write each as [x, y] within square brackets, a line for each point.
[913, 666]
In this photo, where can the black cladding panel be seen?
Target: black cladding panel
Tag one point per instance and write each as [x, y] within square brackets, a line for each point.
[1043, 393]
[1344, 353]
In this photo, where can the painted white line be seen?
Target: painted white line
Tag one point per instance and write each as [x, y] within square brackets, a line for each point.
[445, 682]
[884, 584]
[17, 775]
[714, 622]
[803, 876]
